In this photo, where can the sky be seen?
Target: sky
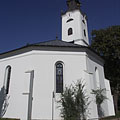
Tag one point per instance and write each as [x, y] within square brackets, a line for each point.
[33, 21]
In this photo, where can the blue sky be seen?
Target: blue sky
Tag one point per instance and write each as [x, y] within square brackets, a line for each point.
[32, 21]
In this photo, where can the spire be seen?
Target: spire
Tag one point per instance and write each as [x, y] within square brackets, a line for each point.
[73, 4]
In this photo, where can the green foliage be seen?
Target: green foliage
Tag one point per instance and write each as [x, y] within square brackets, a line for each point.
[99, 95]
[100, 98]
[81, 100]
[3, 102]
[106, 42]
[68, 110]
[74, 102]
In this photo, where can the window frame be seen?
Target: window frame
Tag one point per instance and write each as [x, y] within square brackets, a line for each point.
[97, 77]
[59, 83]
[70, 31]
[84, 32]
[7, 78]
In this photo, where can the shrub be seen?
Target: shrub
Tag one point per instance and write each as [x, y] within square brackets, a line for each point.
[74, 102]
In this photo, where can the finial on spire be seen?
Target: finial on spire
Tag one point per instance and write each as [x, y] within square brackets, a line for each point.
[73, 4]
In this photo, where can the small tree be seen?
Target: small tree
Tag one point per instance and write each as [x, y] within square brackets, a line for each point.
[100, 98]
[68, 110]
[81, 100]
[3, 102]
[74, 102]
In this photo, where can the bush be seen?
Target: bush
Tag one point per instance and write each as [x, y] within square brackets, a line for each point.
[100, 98]
[74, 102]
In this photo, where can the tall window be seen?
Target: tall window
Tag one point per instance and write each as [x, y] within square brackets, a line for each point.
[70, 31]
[7, 78]
[59, 77]
[83, 21]
[84, 33]
[97, 78]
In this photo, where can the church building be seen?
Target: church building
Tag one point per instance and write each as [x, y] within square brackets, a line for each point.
[31, 74]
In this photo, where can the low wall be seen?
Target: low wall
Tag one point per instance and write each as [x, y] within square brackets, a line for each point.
[8, 119]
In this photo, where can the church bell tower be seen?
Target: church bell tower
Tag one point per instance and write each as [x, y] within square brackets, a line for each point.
[74, 24]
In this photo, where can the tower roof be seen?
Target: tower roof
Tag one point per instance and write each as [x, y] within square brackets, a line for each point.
[73, 4]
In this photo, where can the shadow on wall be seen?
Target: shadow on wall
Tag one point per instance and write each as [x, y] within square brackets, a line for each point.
[3, 101]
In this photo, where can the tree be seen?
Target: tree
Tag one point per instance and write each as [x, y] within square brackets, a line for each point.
[74, 102]
[100, 98]
[81, 100]
[106, 42]
[3, 102]
[68, 110]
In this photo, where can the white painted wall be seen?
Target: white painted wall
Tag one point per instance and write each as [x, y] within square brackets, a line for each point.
[43, 63]
[91, 69]
[77, 25]
[111, 111]
[77, 65]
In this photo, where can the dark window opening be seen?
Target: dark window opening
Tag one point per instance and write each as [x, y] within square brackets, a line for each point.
[59, 77]
[7, 78]
[84, 33]
[83, 21]
[70, 20]
[70, 31]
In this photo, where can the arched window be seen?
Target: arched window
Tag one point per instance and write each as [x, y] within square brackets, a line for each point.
[97, 78]
[84, 33]
[83, 21]
[59, 77]
[70, 31]
[7, 78]
[70, 20]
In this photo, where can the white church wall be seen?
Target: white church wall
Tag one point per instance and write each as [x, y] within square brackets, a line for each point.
[90, 84]
[2, 75]
[72, 73]
[18, 84]
[111, 111]
[91, 68]
[43, 63]
[92, 109]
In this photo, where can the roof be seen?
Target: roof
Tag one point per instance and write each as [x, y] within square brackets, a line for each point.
[52, 45]
[57, 43]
